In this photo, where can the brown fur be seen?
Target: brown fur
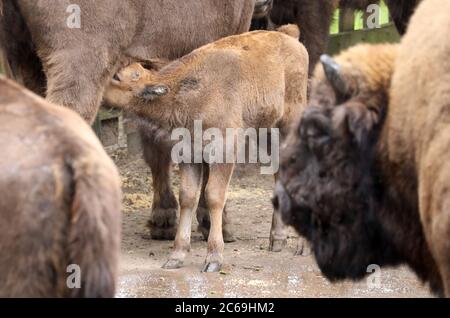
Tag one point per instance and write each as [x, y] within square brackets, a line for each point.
[256, 80]
[417, 132]
[60, 201]
[95, 50]
[370, 185]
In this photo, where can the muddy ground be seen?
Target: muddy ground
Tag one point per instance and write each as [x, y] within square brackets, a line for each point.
[250, 270]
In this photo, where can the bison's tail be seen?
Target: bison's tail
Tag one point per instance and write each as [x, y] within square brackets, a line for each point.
[95, 228]
[290, 29]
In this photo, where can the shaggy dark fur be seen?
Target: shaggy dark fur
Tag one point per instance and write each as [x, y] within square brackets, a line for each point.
[335, 199]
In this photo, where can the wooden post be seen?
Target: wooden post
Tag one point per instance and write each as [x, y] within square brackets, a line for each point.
[365, 18]
[346, 20]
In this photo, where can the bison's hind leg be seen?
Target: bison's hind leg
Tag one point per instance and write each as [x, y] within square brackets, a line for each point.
[163, 219]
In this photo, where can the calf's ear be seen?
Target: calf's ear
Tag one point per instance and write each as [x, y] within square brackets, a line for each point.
[151, 92]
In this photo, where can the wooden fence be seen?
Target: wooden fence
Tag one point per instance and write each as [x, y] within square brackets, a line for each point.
[348, 36]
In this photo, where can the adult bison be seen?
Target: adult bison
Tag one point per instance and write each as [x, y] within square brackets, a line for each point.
[60, 203]
[365, 177]
[72, 65]
[314, 19]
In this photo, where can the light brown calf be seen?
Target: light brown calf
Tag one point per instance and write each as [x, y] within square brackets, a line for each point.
[255, 80]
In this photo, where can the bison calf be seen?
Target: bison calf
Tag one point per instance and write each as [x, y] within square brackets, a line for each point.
[365, 176]
[60, 204]
[255, 80]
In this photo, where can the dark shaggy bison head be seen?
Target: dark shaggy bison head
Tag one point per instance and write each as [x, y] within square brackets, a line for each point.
[328, 186]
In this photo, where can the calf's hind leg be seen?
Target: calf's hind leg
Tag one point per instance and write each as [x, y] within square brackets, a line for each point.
[215, 193]
[190, 175]
[204, 222]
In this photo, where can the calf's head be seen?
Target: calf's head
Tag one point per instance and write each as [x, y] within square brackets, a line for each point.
[133, 84]
[328, 185]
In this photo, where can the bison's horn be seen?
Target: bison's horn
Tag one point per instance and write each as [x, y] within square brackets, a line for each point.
[333, 73]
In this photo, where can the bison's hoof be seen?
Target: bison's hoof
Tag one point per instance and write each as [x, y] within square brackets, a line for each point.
[303, 249]
[277, 245]
[204, 231]
[228, 237]
[162, 225]
[167, 234]
[212, 267]
[173, 264]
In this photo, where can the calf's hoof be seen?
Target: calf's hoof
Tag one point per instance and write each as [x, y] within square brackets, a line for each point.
[277, 245]
[163, 224]
[212, 267]
[173, 264]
